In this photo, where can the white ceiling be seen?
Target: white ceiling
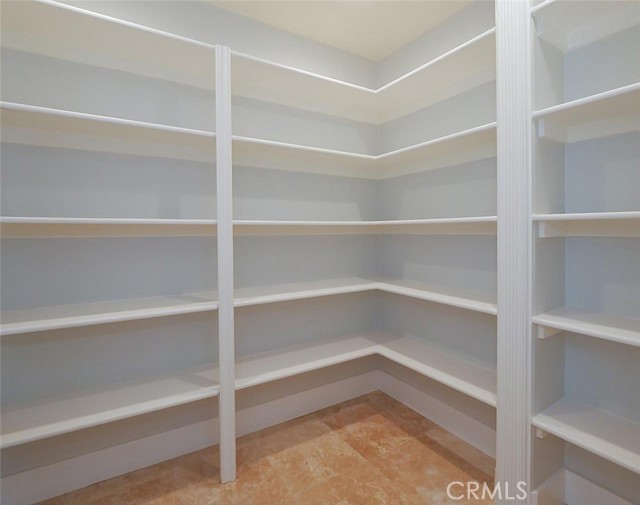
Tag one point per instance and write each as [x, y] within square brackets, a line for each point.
[371, 29]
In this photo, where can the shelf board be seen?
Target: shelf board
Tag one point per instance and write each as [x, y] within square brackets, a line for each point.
[35, 125]
[567, 26]
[87, 314]
[36, 227]
[266, 367]
[301, 290]
[485, 225]
[609, 113]
[36, 420]
[567, 487]
[61, 31]
[453, 149]
[39, 419]
[611, 437]
[468, 65]
[458, 373]
[589, 224]
[455, 297]
[625, 330]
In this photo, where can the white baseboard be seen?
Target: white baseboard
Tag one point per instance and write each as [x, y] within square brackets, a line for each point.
[296, 405]
[61, 477]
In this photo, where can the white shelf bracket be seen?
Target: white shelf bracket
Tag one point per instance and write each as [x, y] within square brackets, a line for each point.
[540, 433]
[543, 332]
[551, 230]
[551, 130]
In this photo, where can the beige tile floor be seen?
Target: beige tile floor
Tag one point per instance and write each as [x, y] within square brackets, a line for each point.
[368, 451]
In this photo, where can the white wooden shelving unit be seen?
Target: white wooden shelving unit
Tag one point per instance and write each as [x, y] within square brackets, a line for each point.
[373, 147]
[353, 223]
[110, 141]
[585, 224]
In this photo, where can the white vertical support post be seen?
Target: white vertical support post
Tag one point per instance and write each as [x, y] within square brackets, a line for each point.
[514, 130]
[224, 170]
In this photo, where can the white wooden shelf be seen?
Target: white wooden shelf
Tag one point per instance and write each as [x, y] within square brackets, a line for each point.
[609, 113]
[39, 419]
[87, 314]
[36, 420]
[625, 330]
[25, 227]
[60, 31]
[468, 65]
[485, 225]
[455, 297]
[454, 371]
[35, 125]
[611, 437]
[568, 26]
[266, 367]
[567, 487]
[589, 224]
[301, 290]
[458, 373]
[456, 148]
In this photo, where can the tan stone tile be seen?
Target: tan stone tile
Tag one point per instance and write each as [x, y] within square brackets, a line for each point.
[322, 494]
[151, 492]
[405, 418]
[256, 484]
[254, 447]
[365, 485]
[367, 430]
[308, 464]
[422, 468]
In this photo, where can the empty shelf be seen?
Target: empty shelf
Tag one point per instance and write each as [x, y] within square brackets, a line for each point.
[86, 314]
[568, 26]
[453, 149]
[611, 437]
[300, 290]
[567, 487]
[609, 113]
[266, 367]
[35, 125]
[58, 30]
[456, 297]
[468, 65]
[456, 372]
[625, 330]
[17, 227]
[36, 420]
[485, 225]
[595, 224]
